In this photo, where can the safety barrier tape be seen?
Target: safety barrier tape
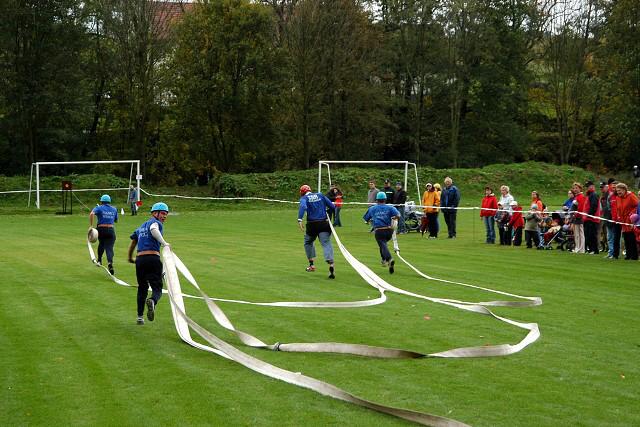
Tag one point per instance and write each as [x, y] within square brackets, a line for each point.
[59, 190]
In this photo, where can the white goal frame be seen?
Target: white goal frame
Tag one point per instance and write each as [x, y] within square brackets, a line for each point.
[406, 164]
[80, 162]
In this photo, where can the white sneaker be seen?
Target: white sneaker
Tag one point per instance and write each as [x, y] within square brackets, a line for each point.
[140, 320]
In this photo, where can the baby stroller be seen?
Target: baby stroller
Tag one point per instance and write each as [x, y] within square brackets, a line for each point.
[412, 217]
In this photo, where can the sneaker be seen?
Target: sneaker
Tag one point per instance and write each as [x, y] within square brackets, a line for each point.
[98, 263]
[140, 320]
[151, 308]
[391, 265]
[311, 268]
[331, 270]
[110, 268]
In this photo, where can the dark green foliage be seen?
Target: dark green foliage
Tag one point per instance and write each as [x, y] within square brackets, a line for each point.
[231, 86]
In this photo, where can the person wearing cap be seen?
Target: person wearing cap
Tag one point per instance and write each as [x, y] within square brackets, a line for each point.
[532, 220]
[516, 223]
[399, 199]
[147, 239]
[107, 216]
[627, 205]
[503, 216]
[578, 207]
[591, 219]
[488, 209]
[450, 199]
[315, 206]
[382, 215]
[430, 203]
[388, 190]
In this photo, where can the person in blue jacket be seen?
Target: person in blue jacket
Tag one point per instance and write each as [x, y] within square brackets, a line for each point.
[315, 205]
[382, 215]
[449, 201]
[148, 239]
[107, 216]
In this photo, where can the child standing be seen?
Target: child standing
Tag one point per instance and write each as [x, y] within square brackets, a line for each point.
[516, 223]
[531, 227]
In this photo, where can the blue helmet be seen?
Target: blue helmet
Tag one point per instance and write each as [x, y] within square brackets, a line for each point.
[105, 198]
[381, 196]
[160, 206]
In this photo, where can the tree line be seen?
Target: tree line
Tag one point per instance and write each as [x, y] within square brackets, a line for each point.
[214, 86]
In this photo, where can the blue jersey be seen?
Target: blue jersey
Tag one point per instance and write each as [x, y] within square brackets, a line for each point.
[106, 214]
[146, 241]
[381, 215]
[315, 204]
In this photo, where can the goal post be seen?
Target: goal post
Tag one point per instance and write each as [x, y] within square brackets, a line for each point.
[407, 165]
[37, 165]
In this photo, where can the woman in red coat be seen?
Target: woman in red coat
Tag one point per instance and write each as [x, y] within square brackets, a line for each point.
[488, 209]
[626, 205]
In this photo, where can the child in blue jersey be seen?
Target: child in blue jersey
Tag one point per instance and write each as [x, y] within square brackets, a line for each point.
[107, 216]
[316, 205]
[148, 238]
[382, 216]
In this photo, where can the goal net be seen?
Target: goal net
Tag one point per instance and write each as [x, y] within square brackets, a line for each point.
[132, 167]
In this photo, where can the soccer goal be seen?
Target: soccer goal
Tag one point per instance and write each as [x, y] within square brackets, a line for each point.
[407, 166]
[36, 166]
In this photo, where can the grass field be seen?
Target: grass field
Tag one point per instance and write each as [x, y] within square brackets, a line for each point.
[73, 355]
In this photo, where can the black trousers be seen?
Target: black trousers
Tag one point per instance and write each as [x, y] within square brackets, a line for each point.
[148, 273]
[450, 219]
[382, 237]
[504, 231]
[432, 225]
[106, 240]
[531, 235]
[591, 237]
[630, 245]
[517, 236]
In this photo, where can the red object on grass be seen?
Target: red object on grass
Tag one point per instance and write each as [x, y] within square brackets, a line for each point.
[139, 203]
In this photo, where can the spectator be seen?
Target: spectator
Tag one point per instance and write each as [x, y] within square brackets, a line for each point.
[439, 193]
[627, 204]
[133, 199]
[399, 199]
[592, 219]
[502, 220]
[617, 228]
[579, 202]
[569, 202]
[331, 195]
[516, 223]
[636, 176]
[388, 190]
[488, 209]
[335, 195]
[532, 219]
[450, 199]
[338, 204]
[535, 198]
[605, 212]
[373, 191]
[431, 201]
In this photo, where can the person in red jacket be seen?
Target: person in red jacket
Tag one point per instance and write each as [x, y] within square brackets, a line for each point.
[627, 204]
[516, 223]
[616, 230]
[592, 219]
[488, 210]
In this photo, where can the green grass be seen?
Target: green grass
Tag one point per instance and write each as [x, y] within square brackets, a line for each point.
[72, 354]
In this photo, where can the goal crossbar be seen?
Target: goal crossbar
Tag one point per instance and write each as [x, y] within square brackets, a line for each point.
[37, 165]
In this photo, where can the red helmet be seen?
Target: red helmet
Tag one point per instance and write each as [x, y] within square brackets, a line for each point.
[304, 189]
